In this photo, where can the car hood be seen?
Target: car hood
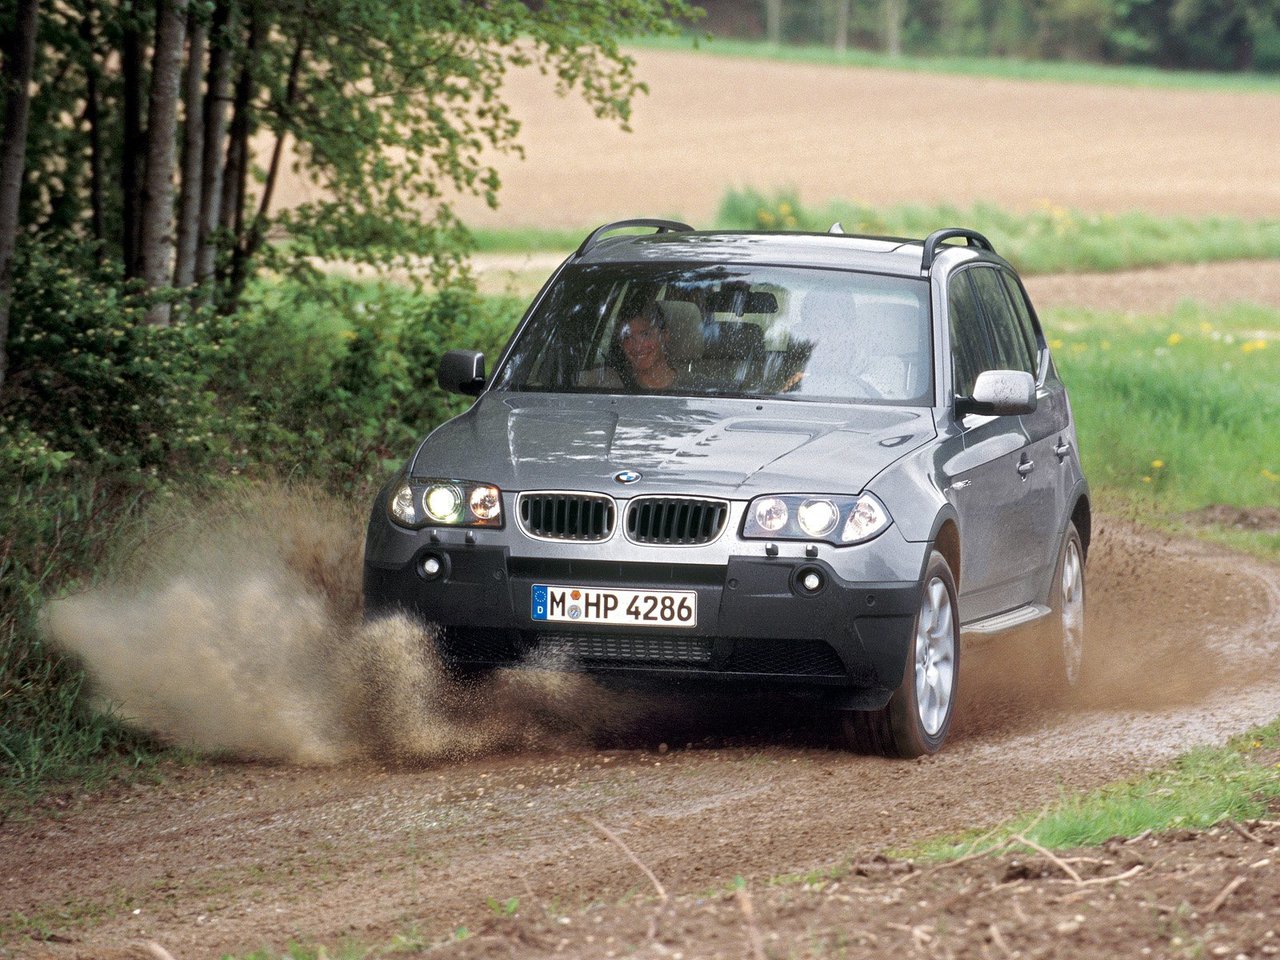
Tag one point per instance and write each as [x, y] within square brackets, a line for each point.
[711, 446]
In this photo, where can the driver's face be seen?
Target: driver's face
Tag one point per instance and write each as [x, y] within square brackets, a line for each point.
[644, 343]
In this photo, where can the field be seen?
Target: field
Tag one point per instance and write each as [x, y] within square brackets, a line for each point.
[880, 137]
[539, 815]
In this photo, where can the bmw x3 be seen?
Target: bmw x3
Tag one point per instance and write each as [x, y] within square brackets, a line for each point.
[811, 462]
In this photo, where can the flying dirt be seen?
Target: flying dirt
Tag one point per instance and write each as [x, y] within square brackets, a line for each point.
[253, 646]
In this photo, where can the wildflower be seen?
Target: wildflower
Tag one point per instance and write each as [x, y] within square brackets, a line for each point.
[1175, 338]
[1251, 345]
[1146, 479]
[1268, 475]
[1055, 344]
[1157, 464]
[1206, 327]
[1106, 344]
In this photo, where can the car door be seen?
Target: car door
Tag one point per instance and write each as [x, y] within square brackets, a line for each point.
[1049, 431]
[981, 463]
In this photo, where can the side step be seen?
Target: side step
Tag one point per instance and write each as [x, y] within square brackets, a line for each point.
[982, 630]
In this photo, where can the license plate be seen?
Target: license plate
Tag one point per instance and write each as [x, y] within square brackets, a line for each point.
[632, 608]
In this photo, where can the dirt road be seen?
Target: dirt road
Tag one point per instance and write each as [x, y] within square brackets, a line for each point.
[233, 856]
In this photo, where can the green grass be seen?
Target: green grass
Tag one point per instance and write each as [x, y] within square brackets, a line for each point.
[1176, 412]
[1204, 787]
[1047, 239]
[1006, 68]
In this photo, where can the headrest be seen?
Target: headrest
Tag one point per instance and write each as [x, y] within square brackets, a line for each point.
[683, 322]
[895, 327]
[732, 339]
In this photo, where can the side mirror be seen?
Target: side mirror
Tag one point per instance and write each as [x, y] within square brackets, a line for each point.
[462, 371]
[1000, 393]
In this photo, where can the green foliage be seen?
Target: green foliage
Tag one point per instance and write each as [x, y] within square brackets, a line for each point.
[1187, 34]
[1047, 239]
[926, 59]
[1201, 788]
[390, 108]
[1179, 411]
[330, 382]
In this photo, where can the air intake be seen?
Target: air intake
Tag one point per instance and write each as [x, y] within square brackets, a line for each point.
[676, 521]
[583, 517]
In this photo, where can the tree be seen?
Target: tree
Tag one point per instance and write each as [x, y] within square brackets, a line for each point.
[162, 123]
[390, 106]
[19, 60]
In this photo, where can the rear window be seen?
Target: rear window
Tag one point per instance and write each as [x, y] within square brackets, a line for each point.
[793, 333]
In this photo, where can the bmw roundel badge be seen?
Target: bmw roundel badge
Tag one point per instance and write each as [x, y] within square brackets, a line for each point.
[626, 476]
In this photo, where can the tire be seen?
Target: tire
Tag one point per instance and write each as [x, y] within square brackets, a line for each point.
[918, 715]
[1066, 637]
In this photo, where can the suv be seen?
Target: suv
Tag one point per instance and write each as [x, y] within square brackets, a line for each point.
[813, 462]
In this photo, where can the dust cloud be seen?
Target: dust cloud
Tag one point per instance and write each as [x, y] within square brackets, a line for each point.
[240, 632]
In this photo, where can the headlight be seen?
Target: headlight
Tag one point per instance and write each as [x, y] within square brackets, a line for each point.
[837, 520]
[770, 514]
[817, 518]
[443, 503]
[460, 503]
[402, 506]
[867, 518]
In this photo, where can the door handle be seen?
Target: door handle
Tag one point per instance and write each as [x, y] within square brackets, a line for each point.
[1025, 467]
[1062, 449]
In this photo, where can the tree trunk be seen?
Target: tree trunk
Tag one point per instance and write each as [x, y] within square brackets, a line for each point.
[215, 131]
[773, 21]
[235, 179]
[19, 58]
[248, 248]
[93, 118]
[184, 273]
[131, 148]
[162, 130]
[893, 27]
[842, 26]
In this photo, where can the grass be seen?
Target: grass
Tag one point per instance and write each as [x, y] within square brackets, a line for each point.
[1047, 239]
[1202, 788]
[1177, 412]
[1005, 68]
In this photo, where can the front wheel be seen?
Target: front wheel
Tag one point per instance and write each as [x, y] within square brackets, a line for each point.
[918, 715]
[1067, 654]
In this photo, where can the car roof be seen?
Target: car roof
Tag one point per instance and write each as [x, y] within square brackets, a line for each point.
[889, 255]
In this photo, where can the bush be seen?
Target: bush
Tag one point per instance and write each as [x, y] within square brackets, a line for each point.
[329, 382]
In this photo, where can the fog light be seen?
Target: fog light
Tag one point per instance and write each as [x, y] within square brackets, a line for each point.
[431, 567]
[811, 581]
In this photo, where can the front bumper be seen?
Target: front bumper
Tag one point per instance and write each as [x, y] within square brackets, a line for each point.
[755, 621]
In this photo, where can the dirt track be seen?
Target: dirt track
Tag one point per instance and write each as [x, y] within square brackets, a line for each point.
[233, 856]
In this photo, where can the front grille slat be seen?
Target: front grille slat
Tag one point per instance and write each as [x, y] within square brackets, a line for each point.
[676, 521]
[584, 517]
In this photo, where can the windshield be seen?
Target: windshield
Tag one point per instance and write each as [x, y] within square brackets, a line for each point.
[792, 333]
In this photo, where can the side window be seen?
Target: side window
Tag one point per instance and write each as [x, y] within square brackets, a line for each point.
[1007, 341]
[1022, 310]
[969, 355]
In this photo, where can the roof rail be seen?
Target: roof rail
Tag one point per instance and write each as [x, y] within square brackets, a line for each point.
[663, 226]
[931, 243]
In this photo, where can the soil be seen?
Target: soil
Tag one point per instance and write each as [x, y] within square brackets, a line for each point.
[231, 856]
[879, 137]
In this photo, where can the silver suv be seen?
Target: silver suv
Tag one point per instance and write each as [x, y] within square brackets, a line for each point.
[814, 462]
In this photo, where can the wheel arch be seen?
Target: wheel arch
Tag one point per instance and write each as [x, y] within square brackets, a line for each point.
[945, 538]
[1082, 517]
